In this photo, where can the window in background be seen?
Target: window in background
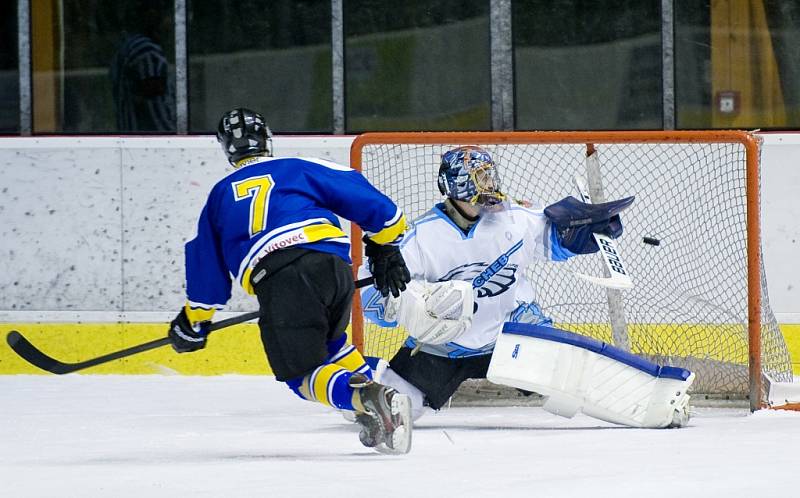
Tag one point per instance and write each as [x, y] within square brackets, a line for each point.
[103, 67]
[587, 65]
[737, 64]
[417, 65]
[9, 69]
[271, 56]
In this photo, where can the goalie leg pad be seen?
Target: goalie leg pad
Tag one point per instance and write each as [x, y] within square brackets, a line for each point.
[782, 394]
[579, 373]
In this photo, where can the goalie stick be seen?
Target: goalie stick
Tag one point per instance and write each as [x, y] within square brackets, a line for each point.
[619, 278]
[33, 355]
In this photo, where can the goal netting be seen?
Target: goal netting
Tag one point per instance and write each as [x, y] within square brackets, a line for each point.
[699, 299]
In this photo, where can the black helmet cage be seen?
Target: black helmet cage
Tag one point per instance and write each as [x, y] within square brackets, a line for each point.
[243, 133]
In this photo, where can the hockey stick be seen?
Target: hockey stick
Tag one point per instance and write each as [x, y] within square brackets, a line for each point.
[619, 278]
[37, 358]
[33, 355]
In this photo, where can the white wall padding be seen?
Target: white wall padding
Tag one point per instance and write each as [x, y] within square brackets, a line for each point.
[99, 223]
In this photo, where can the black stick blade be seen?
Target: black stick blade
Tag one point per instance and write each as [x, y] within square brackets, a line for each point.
[34, 356]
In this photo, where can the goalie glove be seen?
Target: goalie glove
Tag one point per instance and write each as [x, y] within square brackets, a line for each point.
[576, 221]
[433, 313]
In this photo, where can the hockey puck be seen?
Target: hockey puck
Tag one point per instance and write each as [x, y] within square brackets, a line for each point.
[651, 241]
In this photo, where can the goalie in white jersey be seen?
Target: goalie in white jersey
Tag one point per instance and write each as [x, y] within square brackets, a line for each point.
[467, 258]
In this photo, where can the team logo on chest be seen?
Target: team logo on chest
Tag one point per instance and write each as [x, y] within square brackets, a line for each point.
[490, 279]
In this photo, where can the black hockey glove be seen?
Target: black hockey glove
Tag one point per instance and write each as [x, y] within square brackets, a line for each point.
[387, 265]
[184, 337]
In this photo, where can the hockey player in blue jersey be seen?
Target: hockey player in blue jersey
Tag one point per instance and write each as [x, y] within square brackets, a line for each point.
[467, 257]
[272, 225]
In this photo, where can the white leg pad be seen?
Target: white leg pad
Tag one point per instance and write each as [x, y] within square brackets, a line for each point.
[576, 373]
[783, 394]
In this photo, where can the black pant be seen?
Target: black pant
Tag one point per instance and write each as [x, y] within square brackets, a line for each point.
[438, 377]
[305, 301]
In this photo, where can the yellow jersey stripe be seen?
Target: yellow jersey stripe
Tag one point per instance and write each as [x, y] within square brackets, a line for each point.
[318, 232]
[197, 315]
[391, 232]
[271, 235]
[303, 235]
[246, 285]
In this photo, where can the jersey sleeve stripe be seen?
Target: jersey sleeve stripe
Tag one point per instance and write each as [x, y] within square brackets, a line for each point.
[205, 306]
[197, 315]
[391, 232]
[397, 215]
[408, 236]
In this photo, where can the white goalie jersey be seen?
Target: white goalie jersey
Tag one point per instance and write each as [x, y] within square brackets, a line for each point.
[492, 257]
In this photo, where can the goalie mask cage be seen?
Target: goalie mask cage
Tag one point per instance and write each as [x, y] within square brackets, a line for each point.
[699, 299]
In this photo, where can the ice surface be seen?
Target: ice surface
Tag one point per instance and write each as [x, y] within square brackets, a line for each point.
[236, 436]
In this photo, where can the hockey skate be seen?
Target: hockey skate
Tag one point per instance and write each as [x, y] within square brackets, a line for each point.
[378, 366]
[386, 421]
[370, 434]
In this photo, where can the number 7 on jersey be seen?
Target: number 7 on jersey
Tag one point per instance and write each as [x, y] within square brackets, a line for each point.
[258, 190]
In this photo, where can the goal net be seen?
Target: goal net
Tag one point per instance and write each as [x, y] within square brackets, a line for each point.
[699, 299]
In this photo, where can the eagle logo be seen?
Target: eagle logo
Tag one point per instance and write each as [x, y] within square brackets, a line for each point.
[488, 283]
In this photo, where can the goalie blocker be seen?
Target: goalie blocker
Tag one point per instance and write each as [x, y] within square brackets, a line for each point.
[577, 373]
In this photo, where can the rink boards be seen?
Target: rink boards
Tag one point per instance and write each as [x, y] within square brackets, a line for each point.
[237, 350]
[96, 225]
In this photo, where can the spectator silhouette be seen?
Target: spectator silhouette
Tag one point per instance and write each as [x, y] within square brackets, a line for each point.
[144, 98]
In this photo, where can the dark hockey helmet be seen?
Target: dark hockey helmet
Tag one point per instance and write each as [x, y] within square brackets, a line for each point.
[469, 174]
[244, 133]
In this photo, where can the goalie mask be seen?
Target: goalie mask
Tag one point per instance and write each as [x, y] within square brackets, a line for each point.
[243, 133]
[469, 174]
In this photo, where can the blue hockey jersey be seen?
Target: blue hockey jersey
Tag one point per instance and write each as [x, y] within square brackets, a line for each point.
[274, 203]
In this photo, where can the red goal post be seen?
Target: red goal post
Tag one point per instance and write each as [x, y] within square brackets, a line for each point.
[403, 166]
